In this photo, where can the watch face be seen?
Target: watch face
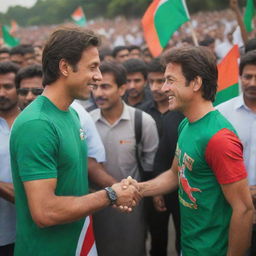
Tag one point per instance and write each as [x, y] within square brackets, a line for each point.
[111, 194]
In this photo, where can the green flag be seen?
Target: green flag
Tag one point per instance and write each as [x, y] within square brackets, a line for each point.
[248, 15]
[8, 38]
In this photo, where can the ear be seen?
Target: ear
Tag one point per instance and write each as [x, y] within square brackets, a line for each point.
[122, 89]
[64, 67]
[197, 83]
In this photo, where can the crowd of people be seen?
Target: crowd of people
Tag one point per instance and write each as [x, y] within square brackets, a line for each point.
[100, 143]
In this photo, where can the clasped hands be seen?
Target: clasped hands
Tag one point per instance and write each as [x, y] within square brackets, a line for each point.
[128, 194]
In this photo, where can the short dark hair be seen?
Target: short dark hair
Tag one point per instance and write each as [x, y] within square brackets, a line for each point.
[103, 52]
[117, 49]
[28, 72]
[248, 59]
[116, 69]
[196, 61]
[8, 67]
[134, 47]
[250, 45]
[17, 50]
[155, 66]
[208, 40]
[136, 65]
[4, 50]
[65, 43]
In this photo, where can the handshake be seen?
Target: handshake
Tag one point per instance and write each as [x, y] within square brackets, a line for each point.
[128, 194]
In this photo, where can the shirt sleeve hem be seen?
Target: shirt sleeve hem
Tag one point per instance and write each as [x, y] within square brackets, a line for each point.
[38, 177]
[234, 179]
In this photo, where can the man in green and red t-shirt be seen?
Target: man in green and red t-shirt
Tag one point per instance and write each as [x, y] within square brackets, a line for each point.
[215, 204]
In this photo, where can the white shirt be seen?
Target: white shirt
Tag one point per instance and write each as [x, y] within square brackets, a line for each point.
[244, 121]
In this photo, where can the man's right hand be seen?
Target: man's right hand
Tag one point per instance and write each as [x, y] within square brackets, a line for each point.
[127, 197]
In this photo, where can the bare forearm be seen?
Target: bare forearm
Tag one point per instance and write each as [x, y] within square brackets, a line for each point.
[65, 209]
[7, 191]
[98, 175]
[162, 184]
[240, 232]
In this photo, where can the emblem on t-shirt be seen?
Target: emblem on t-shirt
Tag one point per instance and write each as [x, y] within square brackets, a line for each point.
[188, 161]
[185, 186]
[177, 152]
[82, 134]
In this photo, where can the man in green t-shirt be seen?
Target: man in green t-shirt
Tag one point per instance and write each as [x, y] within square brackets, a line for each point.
[215, 204]
[48, 150]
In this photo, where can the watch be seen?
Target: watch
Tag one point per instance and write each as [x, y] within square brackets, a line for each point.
[111, 194]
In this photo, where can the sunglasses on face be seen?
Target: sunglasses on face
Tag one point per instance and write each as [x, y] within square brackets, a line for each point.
[25, 91]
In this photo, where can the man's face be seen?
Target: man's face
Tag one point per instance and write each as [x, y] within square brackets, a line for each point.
[29, 89]
[135, 54]
[179, 95]
[248, 80]
[156, 81]
[29, 59]
[17, 59]
[5, 56]
[87, 73]
[122, 56]
[8, 93]
[135, 84]
[106, 93]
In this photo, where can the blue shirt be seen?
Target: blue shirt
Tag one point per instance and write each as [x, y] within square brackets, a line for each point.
[7, 209]
[244, 121]
[95, 146]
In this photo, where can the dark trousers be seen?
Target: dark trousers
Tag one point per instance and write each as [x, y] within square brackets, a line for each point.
[7, 250]
[158, 225]
[252, 249]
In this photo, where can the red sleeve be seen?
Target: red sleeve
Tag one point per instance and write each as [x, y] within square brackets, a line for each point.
[224, 154]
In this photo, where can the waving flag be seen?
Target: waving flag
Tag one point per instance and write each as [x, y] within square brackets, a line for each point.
[228, 73]
[79, 17]
[248, 15]
[161, 20]
[8, 38]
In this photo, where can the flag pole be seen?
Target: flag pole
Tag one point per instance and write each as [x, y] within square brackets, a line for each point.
[193, 33]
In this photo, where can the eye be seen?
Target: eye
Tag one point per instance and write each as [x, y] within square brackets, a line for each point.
[8, 86]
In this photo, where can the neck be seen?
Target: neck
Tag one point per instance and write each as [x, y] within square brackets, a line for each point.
[135, 100]
[251, 104]
[10, 115]
[114, 113]
[197, 110]
[58, 95]
[162, 106]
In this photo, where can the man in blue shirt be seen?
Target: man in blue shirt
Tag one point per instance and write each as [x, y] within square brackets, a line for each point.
[241, 112]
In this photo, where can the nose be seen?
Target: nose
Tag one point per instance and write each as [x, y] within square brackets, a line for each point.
[97, 76]
[154, 86]
[30, 96]
[253, 81]
[131, 84]
[165, 88]
[2, 91]
[97, 92]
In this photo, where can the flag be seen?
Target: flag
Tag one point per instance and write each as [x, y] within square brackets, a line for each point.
[228, 73]
[79, 17]
[248, 15]
[8, 38]
[161, 20]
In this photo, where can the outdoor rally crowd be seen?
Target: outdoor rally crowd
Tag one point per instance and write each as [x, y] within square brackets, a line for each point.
[100, 143]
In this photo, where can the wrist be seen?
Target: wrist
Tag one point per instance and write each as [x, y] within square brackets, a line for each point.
[111, 194]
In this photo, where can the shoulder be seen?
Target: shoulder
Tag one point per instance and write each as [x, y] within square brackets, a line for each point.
[228, 105]
[95, 114]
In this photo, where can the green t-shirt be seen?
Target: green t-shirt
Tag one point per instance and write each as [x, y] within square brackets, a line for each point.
[205, 213]
[47, 143]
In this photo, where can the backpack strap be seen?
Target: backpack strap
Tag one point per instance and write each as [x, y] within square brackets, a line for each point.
[138, 135]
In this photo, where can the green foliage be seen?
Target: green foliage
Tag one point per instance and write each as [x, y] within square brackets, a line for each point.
[58, 11]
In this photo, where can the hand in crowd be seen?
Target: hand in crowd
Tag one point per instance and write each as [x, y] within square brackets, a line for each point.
[159, 203]
[128, 195]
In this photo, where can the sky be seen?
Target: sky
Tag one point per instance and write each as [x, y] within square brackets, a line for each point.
[4, 4]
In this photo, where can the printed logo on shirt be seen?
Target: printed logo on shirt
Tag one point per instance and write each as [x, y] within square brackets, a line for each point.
[125, 141]
[185, 187]
[188, 161]
[82, 134]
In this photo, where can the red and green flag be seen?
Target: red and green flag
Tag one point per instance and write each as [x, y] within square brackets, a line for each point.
[228, 74]
[79, 17]
[9, 40]
[161, 20]
[248, 15]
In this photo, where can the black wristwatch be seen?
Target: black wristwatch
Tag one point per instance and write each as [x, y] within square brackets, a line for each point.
[111, 194]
